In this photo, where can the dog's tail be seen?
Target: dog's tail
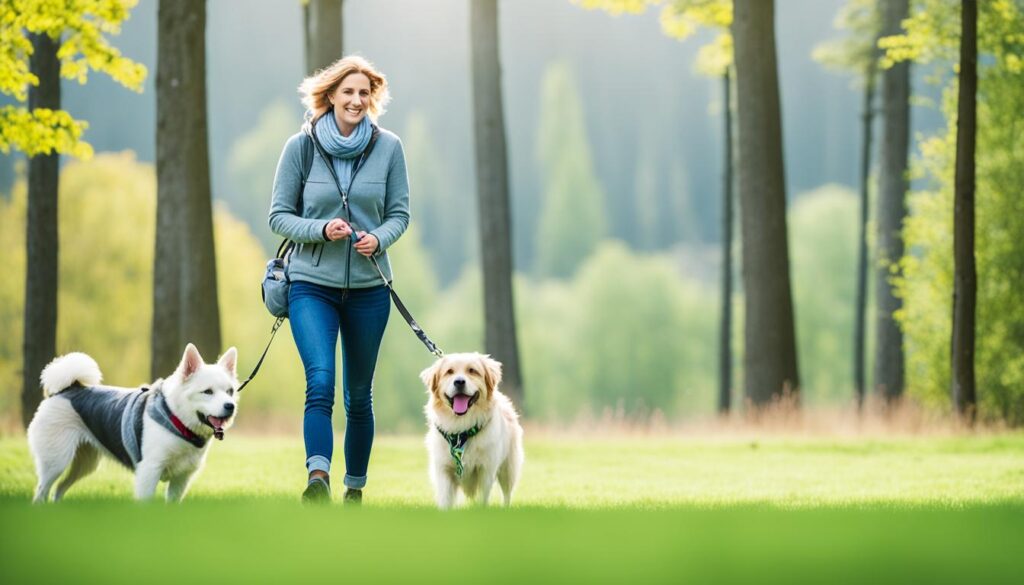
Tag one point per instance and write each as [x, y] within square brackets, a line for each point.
[64, 371]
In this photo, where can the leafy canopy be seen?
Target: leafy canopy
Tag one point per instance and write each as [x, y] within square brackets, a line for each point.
[932, 37]
[82, 24]
[680, 19]
[857, 51]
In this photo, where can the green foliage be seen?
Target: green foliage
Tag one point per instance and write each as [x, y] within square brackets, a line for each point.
[251, 167]
[823, 228]
[856, 51]
[448, 216]
[928, 282]
[927, 285]
[106, 226]
[82, 25]
[648, 321]
[681, 19]
[105, 270]
[647, 209]
[12, 293]
[628, 344]
[933, 34]
[628, 335]
[573, 217]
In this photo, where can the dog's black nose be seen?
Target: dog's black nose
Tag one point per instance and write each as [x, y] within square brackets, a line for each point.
[229, 407]
[459, 382]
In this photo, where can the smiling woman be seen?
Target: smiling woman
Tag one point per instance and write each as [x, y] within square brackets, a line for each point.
[351, 196]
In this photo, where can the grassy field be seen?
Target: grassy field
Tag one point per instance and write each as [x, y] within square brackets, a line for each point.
[660, 510]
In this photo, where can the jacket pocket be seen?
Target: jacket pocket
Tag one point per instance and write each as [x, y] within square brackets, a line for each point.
[316, 253]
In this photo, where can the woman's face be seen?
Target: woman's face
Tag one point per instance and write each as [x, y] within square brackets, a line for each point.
[350, 99]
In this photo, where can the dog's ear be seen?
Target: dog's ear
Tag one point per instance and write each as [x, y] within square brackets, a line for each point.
[229, 361]
[191, 361]
[492, 373]
[432, 376]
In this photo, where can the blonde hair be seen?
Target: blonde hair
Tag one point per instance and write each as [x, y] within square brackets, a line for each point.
[317, 88]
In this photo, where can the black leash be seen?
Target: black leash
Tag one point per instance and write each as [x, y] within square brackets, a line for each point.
[273, 332]
[430, 345]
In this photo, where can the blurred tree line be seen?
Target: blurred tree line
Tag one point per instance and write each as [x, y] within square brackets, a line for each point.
[591, 249]
[585, 349]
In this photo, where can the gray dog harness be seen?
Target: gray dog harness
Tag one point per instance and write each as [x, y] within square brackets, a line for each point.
[115, 418]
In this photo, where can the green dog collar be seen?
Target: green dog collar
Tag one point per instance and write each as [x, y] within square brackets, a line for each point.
[457, 445]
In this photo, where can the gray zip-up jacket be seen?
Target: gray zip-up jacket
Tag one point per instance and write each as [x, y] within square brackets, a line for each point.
[378, 201]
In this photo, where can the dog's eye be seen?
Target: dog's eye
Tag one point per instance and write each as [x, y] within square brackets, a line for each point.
[208, 391]
[231, 391]
[450, 372]
[472, 371]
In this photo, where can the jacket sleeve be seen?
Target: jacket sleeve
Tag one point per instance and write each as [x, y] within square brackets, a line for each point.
[396, 203]
[285, 216]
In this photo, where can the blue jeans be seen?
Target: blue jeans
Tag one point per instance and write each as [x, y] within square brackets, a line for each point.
[317, 313]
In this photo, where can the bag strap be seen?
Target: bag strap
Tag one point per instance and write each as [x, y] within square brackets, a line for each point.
[306, 145]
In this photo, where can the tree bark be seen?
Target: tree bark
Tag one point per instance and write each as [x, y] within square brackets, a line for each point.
[185, 307]
[324, 27]
[770, 360]
[862, 242]
[965, 278]
[725, 329]
[39, 341]
[492, 193]
[892, 209]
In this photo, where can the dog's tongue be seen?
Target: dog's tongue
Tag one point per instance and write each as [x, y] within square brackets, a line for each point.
[216, 423]
[460, 404]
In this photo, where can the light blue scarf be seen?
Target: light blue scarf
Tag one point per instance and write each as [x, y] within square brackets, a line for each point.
[344, 150]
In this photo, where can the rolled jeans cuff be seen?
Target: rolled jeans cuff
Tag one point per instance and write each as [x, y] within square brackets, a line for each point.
[318, 463]
[356, 483]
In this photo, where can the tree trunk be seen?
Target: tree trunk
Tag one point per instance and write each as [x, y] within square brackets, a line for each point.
[39, 342]
[965, 278]
[185, 307]
[862, 242]
[725, 329]
[492, 194]
[323, 23]
[770, 360]
[892, 209]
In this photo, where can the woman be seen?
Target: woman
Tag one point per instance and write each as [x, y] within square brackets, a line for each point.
[335, 286]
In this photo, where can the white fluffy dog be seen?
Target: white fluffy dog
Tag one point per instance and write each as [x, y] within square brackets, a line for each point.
[474, 436]
[161, 431]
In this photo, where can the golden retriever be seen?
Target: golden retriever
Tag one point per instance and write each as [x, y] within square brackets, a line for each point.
[474, 435]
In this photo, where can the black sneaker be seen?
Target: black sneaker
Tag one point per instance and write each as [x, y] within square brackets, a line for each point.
[353, 497]
[318, 491]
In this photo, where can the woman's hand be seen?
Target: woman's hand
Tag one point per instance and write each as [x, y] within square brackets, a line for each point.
[367, 244]
[337, 229]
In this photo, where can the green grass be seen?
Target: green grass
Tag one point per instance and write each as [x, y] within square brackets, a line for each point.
[924, 509]
[622, 472]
